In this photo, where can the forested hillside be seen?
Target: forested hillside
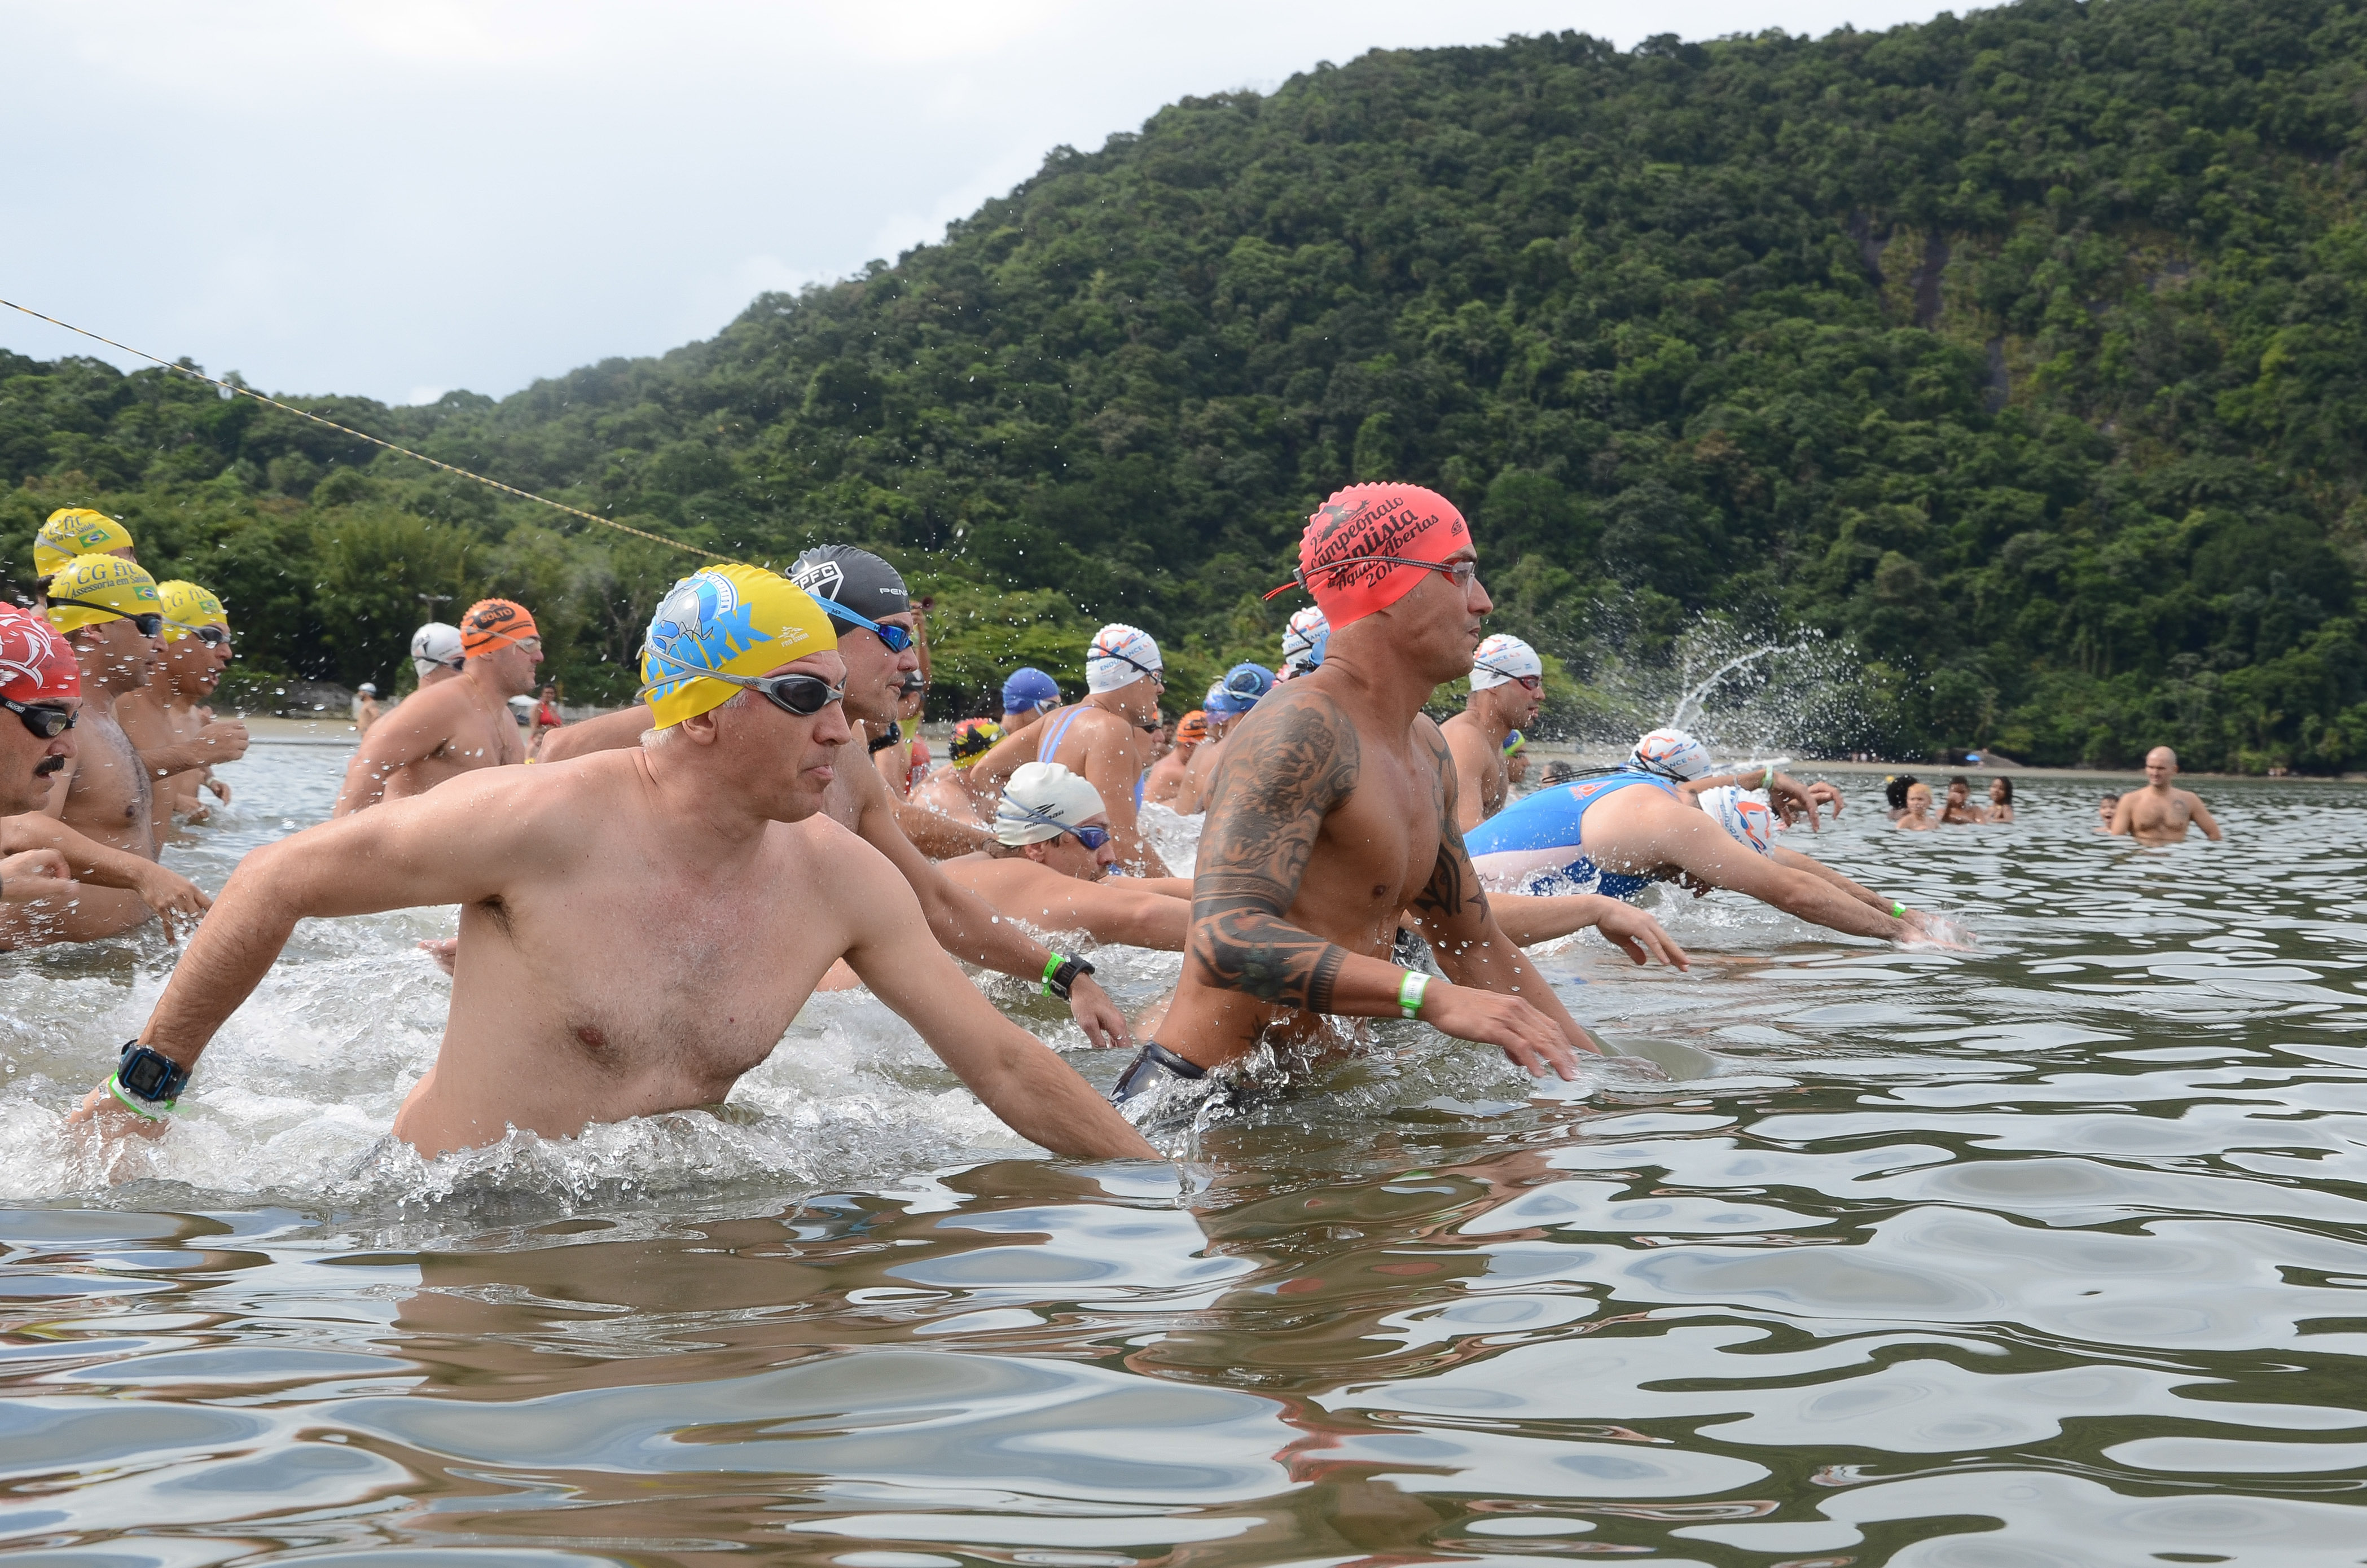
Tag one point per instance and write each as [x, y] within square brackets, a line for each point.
[2025, 350]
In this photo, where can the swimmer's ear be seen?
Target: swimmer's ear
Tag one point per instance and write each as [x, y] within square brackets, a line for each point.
[701, 728]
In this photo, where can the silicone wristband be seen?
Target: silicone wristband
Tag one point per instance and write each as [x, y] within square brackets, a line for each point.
[1769, 781]
[1409, 992]
[1897, 910]
[1051, 968]
[138, 1107]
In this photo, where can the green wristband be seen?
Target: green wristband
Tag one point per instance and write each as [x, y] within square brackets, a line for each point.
[1409, 992]
[138, 1107]
[1897, 910]
[1051, 968]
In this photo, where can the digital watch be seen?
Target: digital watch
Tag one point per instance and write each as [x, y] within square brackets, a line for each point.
[148, 1082]
[1062, 971]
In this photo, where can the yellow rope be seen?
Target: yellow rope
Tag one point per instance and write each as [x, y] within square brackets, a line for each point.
[365, 436]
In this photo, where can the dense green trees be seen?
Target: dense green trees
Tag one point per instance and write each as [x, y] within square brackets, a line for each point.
[2027, 350]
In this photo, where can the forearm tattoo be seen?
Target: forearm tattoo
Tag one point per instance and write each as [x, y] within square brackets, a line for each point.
[1280, 777]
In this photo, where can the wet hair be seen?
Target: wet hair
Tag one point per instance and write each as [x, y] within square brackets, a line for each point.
[2001, 783]
[2110, 800]
[1558, 773]
[1960, 778]
[1893, 790]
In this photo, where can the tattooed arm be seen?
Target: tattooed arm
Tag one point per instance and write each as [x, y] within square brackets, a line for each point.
[1285, 770]
[1462, 928]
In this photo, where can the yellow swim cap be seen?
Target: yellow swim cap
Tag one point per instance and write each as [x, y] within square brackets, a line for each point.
[188, 607]
[740, 619]
[72, 531]
[109, 583]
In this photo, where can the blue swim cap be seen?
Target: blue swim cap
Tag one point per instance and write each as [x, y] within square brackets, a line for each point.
[1030, 690]
[1240, 690]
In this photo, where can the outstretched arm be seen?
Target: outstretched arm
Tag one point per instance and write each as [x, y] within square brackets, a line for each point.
[411, 731]
[175, 898]
[1013, 1074]
[224, 740]
[609, 732]
[967, 925]
[1701, 848]
[1528, 919]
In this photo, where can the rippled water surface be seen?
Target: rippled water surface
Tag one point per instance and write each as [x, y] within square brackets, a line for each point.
[2054, 1252]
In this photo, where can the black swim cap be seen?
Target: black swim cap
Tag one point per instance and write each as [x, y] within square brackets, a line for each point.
[843, 575]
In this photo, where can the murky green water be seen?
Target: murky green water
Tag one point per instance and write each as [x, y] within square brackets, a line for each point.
[2048, 1254]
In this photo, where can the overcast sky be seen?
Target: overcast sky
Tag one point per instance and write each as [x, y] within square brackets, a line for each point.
[395, 197]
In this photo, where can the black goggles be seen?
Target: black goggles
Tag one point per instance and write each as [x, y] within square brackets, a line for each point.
[150, 624]
[45, 722]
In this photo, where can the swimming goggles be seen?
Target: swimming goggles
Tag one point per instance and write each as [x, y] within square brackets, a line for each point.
[45, 722]
[1158, 676]
[1460, 572]
[896, 637]
[1527, 683]
[1091, 837]
[801, 695]
[149, 624]
[211, 635]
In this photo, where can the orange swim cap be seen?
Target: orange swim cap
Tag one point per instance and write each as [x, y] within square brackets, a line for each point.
[1368, 546]
[494, 623]
[1192, 729]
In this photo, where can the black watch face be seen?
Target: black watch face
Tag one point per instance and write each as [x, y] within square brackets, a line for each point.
[146, 1077]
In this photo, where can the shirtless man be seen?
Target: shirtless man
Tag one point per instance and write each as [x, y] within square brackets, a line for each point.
[1228, 700]
[39, 690]
[877, 654]
[2161, 813]
[1165, 781]
[436, 653]
[456, 726]
[950, 791]
[163, 719]
[101, 797]
[1334, 808]
[1050, 865]
[1104, 739]
[637, 927]
[1028, 695]
[1618, 833]
[1508, 687]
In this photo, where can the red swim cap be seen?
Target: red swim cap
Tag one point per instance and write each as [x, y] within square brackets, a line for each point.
[36, 663]
[1365, 548]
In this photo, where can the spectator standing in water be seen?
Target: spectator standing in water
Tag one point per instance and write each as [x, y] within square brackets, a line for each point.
[2105, 809]
[1915, 815]
[2160, 813]
[1959, 810]
[2001, 799]
[365, 708]
[456, 726]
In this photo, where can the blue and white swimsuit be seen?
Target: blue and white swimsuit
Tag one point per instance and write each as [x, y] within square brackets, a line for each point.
[1536, 844]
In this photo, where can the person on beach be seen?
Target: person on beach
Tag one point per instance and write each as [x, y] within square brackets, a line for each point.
[1915, 812]
[1104, 739]
[164, 716]
[2161, 812]
[456, 726]
[1228, 701]
[878, 653]
[1959, 810]
[2001, 799]
[99, 809]
[1165, 781]
[1508, 684]
[1619, 834]
[364, 707]
[649, 976]
[949, 791]
[1028, 695]
[1334, 808]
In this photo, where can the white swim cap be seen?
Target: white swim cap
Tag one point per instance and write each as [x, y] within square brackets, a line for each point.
[1042, 801]
[1299, 637]
[435, 645]
[1672, 753]
[1502, 660]
[1120, 655]
[1744, 813]
[368, 688]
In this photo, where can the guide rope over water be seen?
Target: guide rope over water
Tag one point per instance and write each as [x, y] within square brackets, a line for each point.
[373, 441]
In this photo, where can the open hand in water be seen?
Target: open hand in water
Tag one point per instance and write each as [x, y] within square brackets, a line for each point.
[1527, 1038]
[1640, 937]
[176, 899]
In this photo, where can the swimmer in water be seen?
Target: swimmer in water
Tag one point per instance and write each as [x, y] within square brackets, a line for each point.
[649, 976]
[72, 531]
[1228, 700]
[1050, 861]
[1959, 810]
[1750, 822]
[109, 609]
[1167, 775]
[40, 691]
[950, 791]
[435, 656]
[1028, 695]
[2160, 813]
[1303, 642]
[457, 726]
[1618, 834]
[2105, 811]
[1334, 808]
[1104, 739]
[2001, 799]
[163, 718]
[1508, 686]
[1915, 814]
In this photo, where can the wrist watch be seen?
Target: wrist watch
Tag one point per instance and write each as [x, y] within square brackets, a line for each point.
[1062, 971]
[150, 1075]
